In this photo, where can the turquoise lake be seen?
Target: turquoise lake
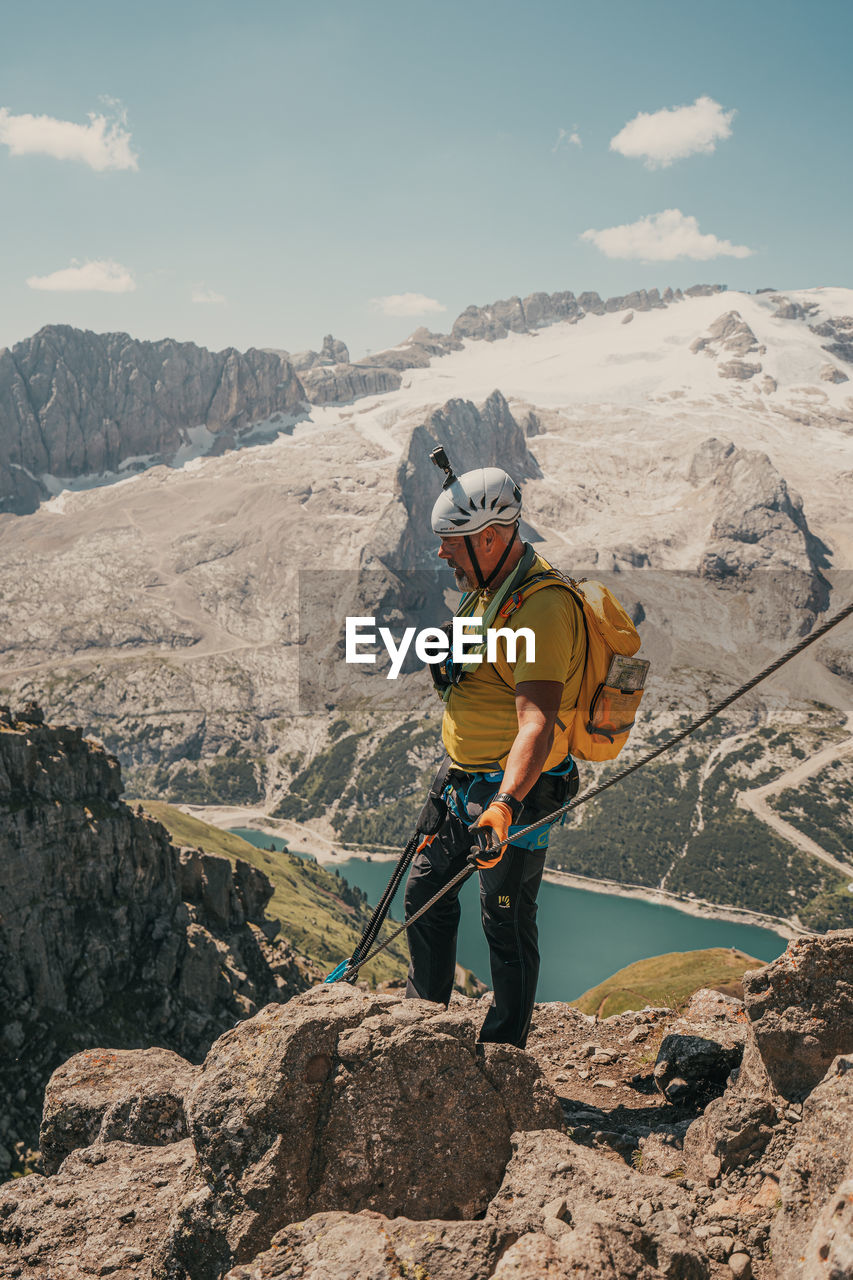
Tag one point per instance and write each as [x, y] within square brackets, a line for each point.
[584, 936]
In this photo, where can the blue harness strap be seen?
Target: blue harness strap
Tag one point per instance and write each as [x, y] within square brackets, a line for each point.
[454, 797]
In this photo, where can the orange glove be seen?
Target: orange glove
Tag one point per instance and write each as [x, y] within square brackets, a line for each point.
[496, 820]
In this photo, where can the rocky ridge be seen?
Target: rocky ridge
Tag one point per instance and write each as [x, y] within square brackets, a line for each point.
[361, 1135]
[109, 933]
[75, 403]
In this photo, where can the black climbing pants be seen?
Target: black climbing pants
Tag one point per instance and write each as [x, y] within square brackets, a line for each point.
[507, 904]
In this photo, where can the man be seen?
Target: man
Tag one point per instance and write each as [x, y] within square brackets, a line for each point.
[503, 732]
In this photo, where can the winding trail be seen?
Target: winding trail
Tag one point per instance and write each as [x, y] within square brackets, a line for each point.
[756, 801]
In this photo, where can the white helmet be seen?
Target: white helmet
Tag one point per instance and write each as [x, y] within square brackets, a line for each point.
[474, 501]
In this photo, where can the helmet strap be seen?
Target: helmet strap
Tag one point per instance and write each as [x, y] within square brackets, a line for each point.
[469, 547]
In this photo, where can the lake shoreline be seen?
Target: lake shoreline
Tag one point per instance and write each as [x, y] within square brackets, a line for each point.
[330, 852]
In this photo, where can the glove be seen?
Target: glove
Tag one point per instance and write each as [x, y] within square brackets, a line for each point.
[494, 823]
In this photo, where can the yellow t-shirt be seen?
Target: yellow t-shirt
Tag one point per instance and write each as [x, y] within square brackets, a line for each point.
[480, 722]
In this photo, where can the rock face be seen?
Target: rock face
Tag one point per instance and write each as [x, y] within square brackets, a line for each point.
[76, 403]
[136, 942]
[815, 1170]
[759, 524]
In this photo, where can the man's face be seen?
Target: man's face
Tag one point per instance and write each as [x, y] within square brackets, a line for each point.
[454, 551]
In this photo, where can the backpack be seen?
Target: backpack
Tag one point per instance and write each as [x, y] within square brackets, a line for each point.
[604, 714]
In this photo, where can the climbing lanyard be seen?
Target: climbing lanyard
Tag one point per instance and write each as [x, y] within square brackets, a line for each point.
[348, 969]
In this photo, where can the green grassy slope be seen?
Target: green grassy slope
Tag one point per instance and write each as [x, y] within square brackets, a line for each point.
[319, 912]
[669, 980]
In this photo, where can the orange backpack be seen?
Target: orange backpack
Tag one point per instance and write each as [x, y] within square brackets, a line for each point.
[599, 726]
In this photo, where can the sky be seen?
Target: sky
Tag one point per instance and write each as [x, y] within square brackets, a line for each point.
[265, 173]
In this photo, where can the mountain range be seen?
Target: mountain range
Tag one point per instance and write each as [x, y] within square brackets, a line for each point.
[215, 517]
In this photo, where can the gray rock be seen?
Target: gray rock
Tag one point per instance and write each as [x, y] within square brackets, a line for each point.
[367, 1244]
[136, 1095]
[818, 1163]
[801, 1010]
[832, 373]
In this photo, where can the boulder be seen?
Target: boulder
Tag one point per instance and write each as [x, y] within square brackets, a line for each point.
[688, 1065]
[818, 1163]
[367, 1244]
[733, 1131]
[345, 1101]
[104, 1213]
[596, 1249]
[801, 1010]
[832, 373]
[552, 1178]
[100, 1094]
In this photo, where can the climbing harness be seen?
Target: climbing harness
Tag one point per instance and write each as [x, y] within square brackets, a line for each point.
[431, 816]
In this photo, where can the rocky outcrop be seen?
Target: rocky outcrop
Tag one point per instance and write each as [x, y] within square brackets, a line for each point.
[759, 524]
[731, 335]
[839, 329]
[340, 383]
[814, 1172]
[109, 935]
[801, 1011]
[78, 403]
[350, 1133]
[538, 310]
[488, 436]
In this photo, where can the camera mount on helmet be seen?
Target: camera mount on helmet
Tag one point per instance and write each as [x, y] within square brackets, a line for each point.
[439, 457]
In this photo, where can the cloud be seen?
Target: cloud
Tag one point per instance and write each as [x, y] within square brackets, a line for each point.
[663, 237]
[103, 143]
[573, 138]
[87, 277]
[406, 304]
[201, 293]
[664, 136]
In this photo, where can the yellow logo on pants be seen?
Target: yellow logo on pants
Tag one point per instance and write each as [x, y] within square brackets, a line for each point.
[503, 899]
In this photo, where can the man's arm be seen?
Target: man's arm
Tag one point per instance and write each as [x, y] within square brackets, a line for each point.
[537, 705]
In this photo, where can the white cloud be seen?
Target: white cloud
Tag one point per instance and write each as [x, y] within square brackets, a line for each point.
[663, 237]
[573, 138]
[406, 304]
[86, 277]
[201, 293]
[103, 143]
[674, 133]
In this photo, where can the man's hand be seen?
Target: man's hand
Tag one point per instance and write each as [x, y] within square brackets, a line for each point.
[494, 823]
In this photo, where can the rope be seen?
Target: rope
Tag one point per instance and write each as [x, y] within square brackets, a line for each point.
[610, 782]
